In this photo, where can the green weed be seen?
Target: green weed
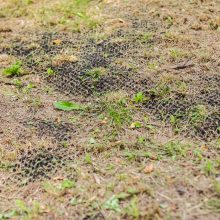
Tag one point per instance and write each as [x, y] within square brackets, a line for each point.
[130, 155]
[75, 201]
[175, 122]
[58, 190]
[119, 113]
[28, 88]
[216, 187]
[214, 205]
[14, 70]
[51, 188]
[67, 184]
[160, 90]
[29, 212]
[152, 65]
[177, 53]
[197, 153]
[95, 73]
[180, 87]
[132, 209]
[17, 83]
[8, 215]
[169, 20]
[136, 124]
[146, 37]
[88, 158]
[174, 149]
[112, 204]
[198, 114]
[5, 165]
[173, 119]
[139, 97]
[50, 72]
[209, 168]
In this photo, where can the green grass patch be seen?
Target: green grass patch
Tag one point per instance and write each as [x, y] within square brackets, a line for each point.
[14, 70]
[74, 15]
[119, 113]
[175, 149]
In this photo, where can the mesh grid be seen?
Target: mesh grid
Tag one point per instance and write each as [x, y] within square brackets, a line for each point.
[39, 164]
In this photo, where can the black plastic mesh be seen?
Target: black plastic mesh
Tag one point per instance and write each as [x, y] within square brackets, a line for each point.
[41, 163]
[58, 131]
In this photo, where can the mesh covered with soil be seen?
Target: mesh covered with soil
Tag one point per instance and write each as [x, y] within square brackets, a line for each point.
[58, 131]
[41, 163]
[36, 164]
[91, 64]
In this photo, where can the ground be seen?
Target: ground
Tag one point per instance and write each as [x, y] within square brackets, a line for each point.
[109, 109]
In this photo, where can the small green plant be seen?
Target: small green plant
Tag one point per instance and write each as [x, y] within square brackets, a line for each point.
[209, 168]
[130, 155]
[141, 140]
[177, 53]
[160, 90]
[29, 212]
[119, 113]
[139, 97]
[173, 119]
[198, 114]
[88, 158]
[50, 72]
[174, 53]
[8, 215]
[180, 87]
[136, 124]
[92, 140]
[28, 2]
[216, 186]
[75, 201]
[95, 73]
[110, 167]
[146, 37]
[197, 153]
[51, 188]
[169, 20]
[17, 83]
[5, 165]
[152, 65]
[58, 190]
[132, 209]
[67, 184]
[214, 204]
[13, 70]
[28, 88]
[112, 204]
[174, 149]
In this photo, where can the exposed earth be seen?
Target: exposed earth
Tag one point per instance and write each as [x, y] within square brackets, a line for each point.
[109, 109]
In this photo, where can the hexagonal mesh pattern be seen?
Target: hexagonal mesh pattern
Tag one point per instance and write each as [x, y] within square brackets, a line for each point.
[39, 164]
